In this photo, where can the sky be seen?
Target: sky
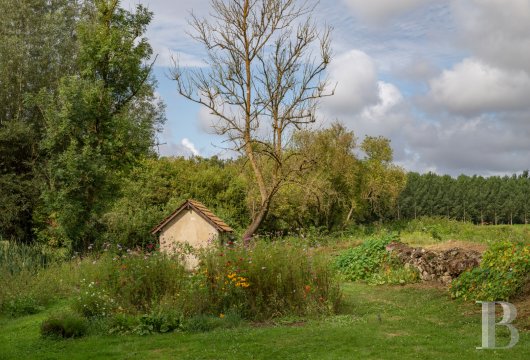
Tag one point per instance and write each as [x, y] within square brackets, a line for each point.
[447, 81]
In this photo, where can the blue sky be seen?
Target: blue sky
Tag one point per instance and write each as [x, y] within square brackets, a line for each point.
[448, 81]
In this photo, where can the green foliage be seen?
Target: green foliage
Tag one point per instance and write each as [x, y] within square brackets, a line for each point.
[260, 282]
[321, 196]
[427, 230]
[36, 49]
[156, 187]
[133, 282]
[15, 257]
[338, 188]
[381, 182]
[154, 322]
[24, 285]
[21, 305]
[395, 274]
[122, 324]
[491, 200]
[138, 281]
[371, 262]
[167, 320]
[64, 325]
[268, 280]
[159, 322]
[504, 270]
[395, 317]
[363, 261]
[203, 323]
[93, 301]
[97, 125]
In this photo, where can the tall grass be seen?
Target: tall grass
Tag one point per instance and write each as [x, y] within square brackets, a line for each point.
[19, 266]
[15, 258]
[429, 230]
[33, 277]
[257, 282]
[269, 279]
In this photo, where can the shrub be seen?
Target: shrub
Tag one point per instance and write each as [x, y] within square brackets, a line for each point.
[94, 301]
[395, 274]
[22, 305]
[159, 322]
[64, 325]
[372, 263]
[267, 280]
[361, 262]
[504, 270]
[133, 283]
[202, 323]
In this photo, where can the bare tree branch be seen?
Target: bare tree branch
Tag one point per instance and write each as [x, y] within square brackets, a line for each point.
[265, 76]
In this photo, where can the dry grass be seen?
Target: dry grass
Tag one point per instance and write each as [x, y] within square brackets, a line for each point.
[450, 244]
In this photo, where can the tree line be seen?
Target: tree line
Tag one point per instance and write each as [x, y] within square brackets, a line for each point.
[338, 188]
[477, 199]
[79, 119]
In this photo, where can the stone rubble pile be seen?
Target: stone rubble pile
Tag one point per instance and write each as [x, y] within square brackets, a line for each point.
[442, 266]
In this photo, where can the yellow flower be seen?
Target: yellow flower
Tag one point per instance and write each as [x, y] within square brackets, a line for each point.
[221, 315]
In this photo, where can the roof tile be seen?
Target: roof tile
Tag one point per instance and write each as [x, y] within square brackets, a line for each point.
[202, 210]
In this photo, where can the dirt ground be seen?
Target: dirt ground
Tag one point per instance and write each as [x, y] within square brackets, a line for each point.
[446, 245]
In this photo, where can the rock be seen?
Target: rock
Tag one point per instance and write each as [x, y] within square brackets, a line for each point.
[442, 266]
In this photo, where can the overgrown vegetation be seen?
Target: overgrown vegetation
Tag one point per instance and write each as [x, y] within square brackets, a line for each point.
[371, 262]
[428, 230]
[504, 270]
[123, 292]
[64, 325]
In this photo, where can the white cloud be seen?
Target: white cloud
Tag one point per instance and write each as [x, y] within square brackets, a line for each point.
[497, 31]
[389, 98]
[418, 69]
[168, 31]
[473, 87]
[477, 121]
[190, 146]
[381, 10]
[482, 145]
[355, 76]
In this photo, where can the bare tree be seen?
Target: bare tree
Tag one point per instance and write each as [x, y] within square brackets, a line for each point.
[266, 73]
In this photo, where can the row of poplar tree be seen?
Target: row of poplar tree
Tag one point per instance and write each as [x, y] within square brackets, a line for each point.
[481, 200]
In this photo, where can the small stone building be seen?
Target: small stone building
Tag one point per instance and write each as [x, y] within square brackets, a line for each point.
[191, 223]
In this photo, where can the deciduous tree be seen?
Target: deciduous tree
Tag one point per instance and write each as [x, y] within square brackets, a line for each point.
[99, 123]
[266, 73]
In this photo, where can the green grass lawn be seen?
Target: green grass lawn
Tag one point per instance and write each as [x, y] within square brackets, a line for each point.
[411, 322]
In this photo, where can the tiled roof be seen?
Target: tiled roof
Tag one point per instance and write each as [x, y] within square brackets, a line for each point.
[202, 210]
